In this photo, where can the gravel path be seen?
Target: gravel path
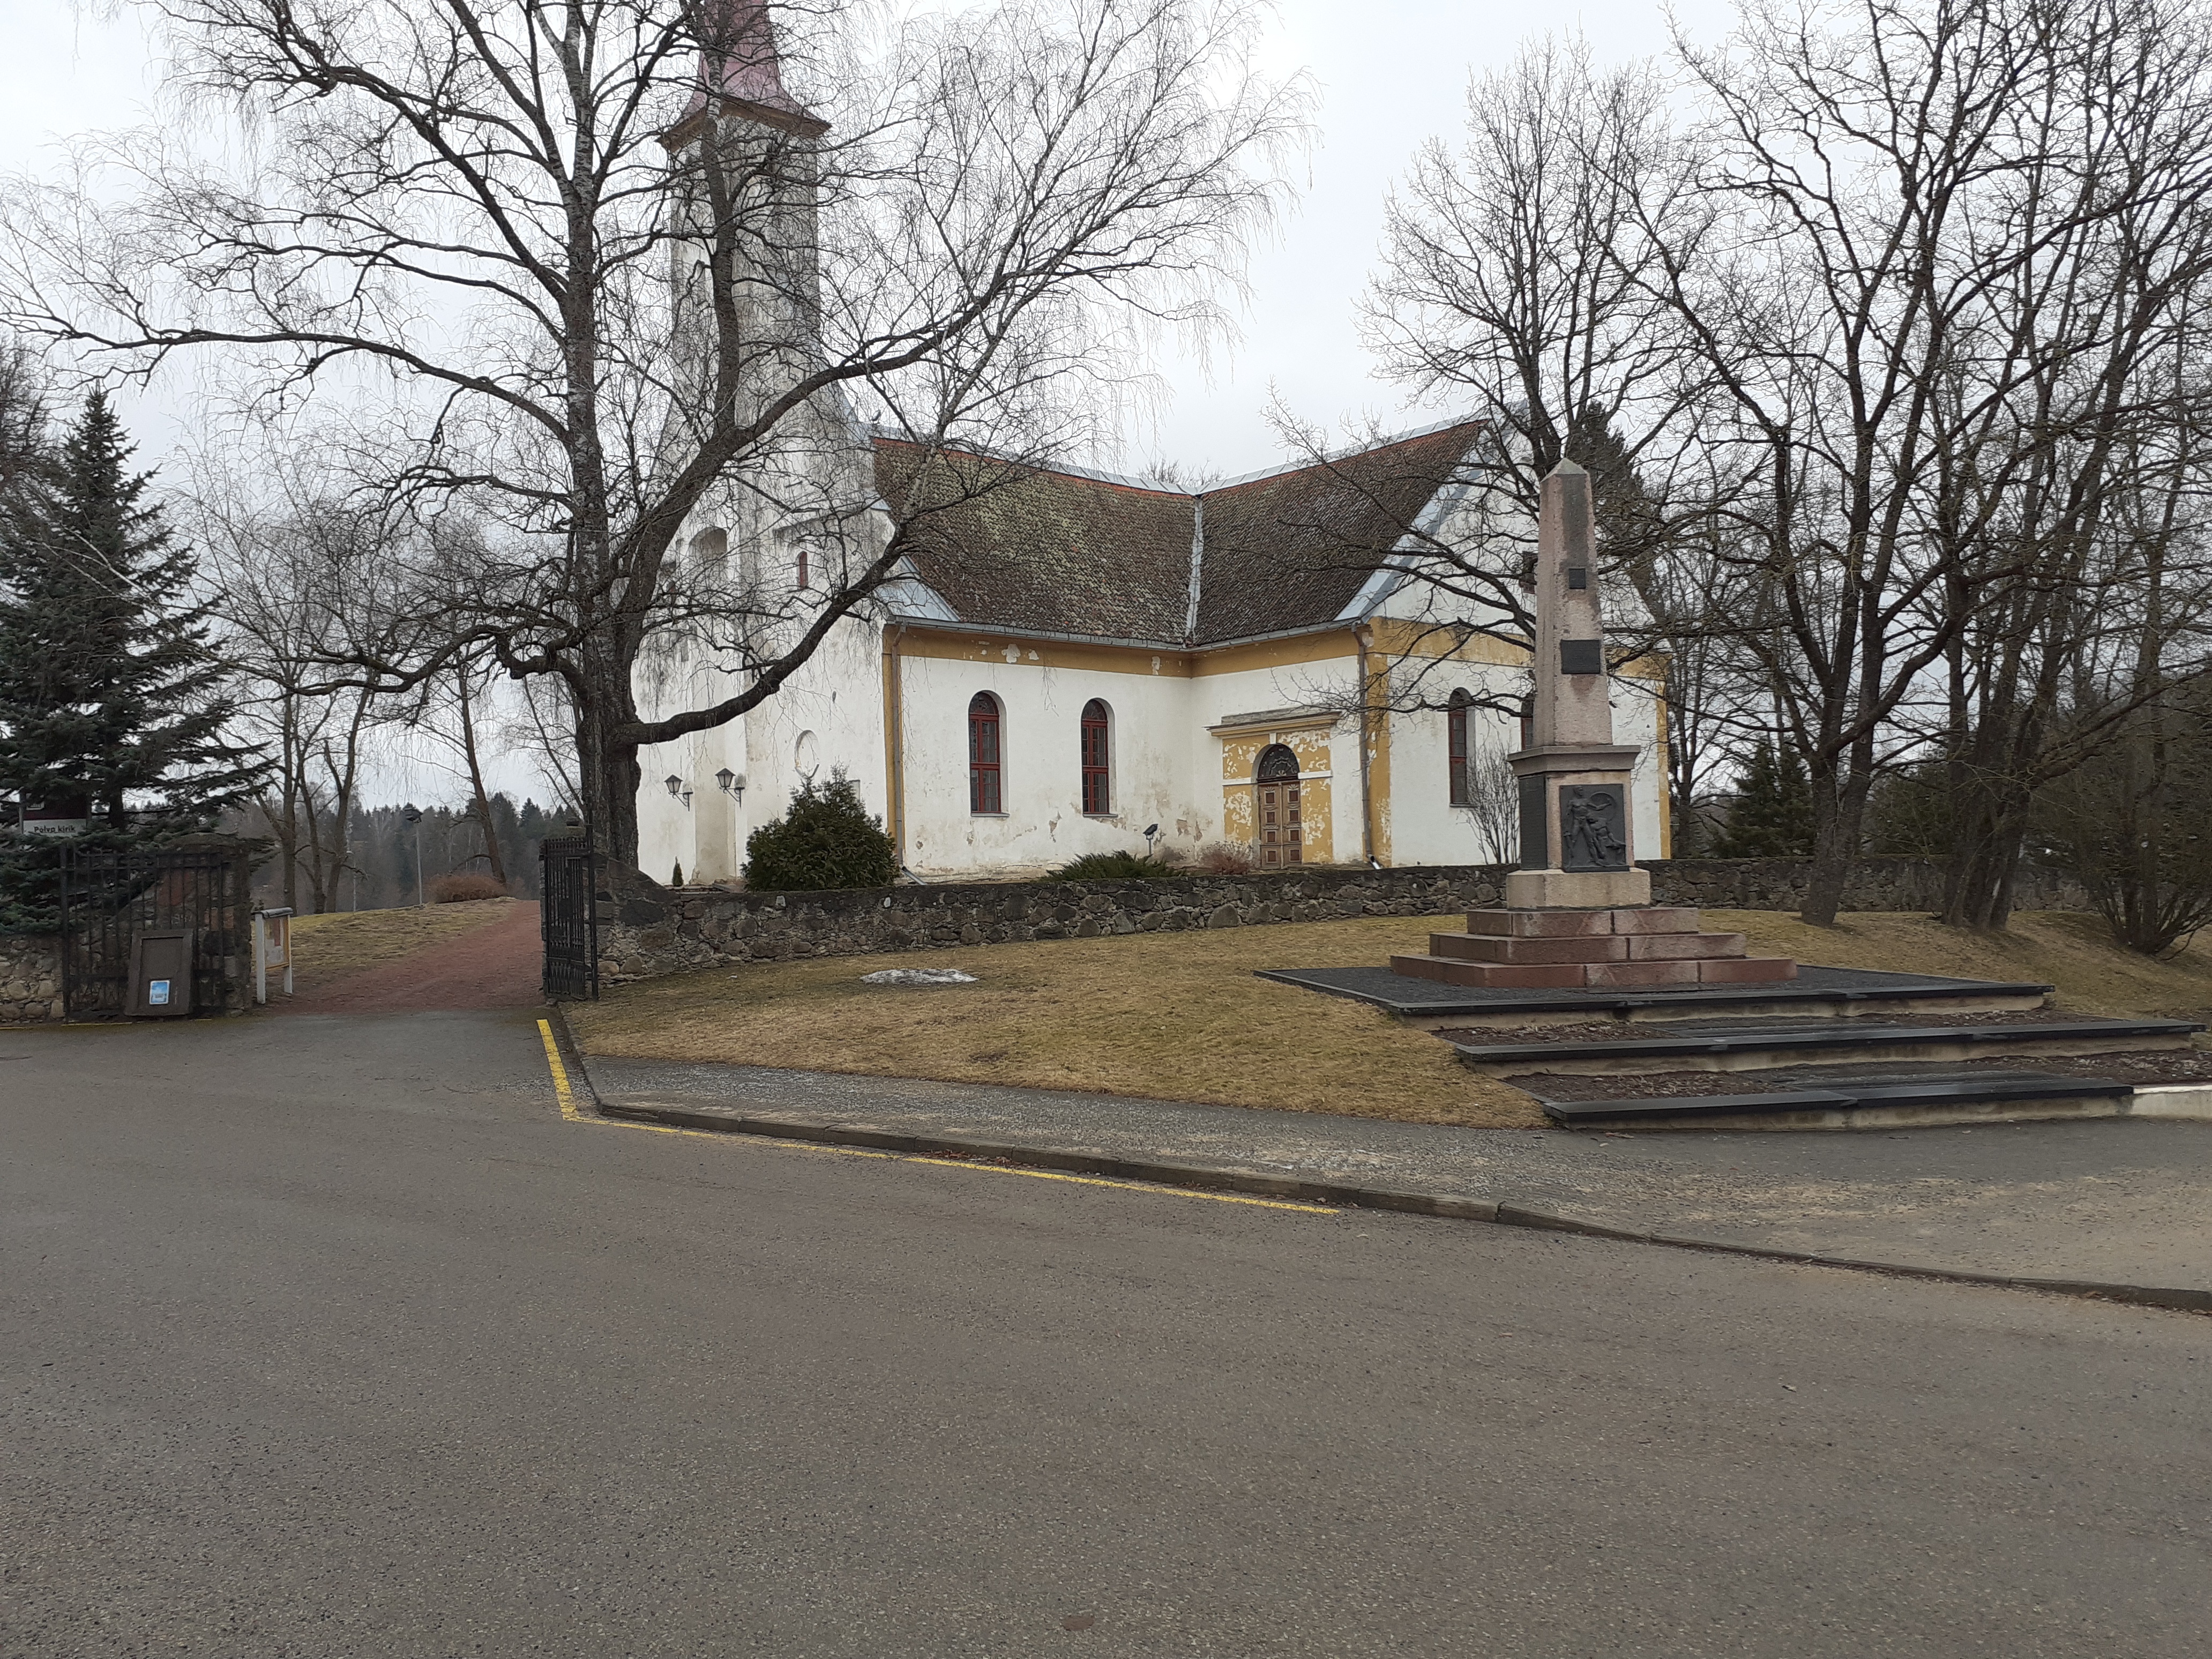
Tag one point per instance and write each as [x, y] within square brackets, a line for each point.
[494, 966]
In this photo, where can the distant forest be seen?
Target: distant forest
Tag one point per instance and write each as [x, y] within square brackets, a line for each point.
[379, 870]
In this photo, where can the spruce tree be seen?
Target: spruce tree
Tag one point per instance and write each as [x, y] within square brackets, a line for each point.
[111, 694]
[1772, 816]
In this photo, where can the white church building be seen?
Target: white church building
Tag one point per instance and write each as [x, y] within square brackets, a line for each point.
[1077, 658]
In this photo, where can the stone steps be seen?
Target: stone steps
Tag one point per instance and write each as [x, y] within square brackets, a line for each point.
[1755, 1045]
[1874, 1102]
[1685, 974]
[1641, 947]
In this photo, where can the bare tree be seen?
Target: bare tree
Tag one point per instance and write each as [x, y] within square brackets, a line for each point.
[296, 577]
[1924, 195]
[612, 258]
[1523, 278]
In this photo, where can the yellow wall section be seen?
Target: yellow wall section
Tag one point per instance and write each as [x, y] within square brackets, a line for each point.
[1374, 735]
[1396, 637]
[1240, 757]
[1393, 636]
[921, 640]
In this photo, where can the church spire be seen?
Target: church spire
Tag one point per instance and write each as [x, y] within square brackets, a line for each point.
[739, 70]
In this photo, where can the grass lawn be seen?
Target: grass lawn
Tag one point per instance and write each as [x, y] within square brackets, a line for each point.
[340, 942]
[2073, 952]
[1179, 1017]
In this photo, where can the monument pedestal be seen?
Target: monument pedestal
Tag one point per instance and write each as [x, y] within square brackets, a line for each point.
[1576, 890]
[1651, 944]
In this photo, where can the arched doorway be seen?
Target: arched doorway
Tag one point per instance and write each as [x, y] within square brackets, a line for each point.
[1279, 836]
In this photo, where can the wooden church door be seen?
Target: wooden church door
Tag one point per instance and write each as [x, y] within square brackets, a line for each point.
[1281, 837]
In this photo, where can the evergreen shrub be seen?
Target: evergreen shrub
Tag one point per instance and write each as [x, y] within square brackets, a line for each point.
[1113, 866]
[1772, 816]
[828, 839]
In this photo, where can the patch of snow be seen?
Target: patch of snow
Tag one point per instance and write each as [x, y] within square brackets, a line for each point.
[918, 976]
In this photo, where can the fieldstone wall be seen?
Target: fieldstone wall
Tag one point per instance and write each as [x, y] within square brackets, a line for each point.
[30, 978]
[1875, 884]
[647, 930]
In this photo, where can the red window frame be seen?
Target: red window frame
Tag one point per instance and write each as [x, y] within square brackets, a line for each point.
[1455, 717]
[1096, 779]
[986, 755]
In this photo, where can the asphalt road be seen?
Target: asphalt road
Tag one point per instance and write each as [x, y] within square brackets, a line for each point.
[330, 1336]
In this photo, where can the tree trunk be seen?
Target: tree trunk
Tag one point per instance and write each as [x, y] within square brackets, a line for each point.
[1838, 807]
[607, 766]
[476, 781]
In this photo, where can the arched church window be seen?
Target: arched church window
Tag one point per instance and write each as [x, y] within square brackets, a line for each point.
[1279, 831]
[710, 555]
[1461, 755]
[984, 754]
[1097, 782]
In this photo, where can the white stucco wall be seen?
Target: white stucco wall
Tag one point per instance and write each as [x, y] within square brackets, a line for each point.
[837, 696]
[1043, 824]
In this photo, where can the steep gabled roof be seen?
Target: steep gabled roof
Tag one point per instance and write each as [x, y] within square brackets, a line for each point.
[1062, 551]
[1047, 551]
[1293, 548]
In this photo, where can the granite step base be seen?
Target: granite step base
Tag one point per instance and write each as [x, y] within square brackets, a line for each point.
[1930, 1096]
[1752, 1045]
[1686, 973]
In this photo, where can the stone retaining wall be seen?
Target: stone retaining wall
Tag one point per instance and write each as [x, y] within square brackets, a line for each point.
[30, 978]
[647, 930]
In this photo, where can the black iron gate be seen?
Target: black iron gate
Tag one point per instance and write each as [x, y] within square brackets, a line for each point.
[109, 897]
[569, 918]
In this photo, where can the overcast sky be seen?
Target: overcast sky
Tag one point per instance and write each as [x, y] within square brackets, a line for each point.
[1390, 72]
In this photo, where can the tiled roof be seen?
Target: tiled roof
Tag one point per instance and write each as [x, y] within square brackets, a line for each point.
[1054, 552]
[1066, 552]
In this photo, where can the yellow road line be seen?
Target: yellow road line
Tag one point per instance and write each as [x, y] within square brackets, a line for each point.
[567, 1096]
[561, 1091]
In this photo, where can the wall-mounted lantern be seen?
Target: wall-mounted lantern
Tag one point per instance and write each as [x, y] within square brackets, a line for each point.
[675, 784]
[731, 784]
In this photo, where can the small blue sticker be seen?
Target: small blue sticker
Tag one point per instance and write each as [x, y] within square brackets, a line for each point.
[157, 993]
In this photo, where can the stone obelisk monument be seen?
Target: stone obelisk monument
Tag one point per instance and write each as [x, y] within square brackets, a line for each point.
[1577, 834]
[1578, 913]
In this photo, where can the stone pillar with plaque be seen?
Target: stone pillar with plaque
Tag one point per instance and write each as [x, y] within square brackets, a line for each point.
[1578, 912]
[1577, 832]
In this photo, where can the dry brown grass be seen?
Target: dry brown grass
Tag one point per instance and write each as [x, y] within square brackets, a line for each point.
[330, 946]
[2075, 953]
[1179, 1017]
[1170, 1016]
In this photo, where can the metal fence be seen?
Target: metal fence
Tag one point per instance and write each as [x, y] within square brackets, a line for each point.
[569, 918]
[108, 898]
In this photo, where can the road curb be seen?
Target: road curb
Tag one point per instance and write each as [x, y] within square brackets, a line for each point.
[1442, 1205]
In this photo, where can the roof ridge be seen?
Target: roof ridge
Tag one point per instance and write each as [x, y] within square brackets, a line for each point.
[1065, 469]
[1098, 474]
[1346, 454]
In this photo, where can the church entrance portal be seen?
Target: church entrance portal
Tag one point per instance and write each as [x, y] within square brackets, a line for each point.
[1281, 835]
